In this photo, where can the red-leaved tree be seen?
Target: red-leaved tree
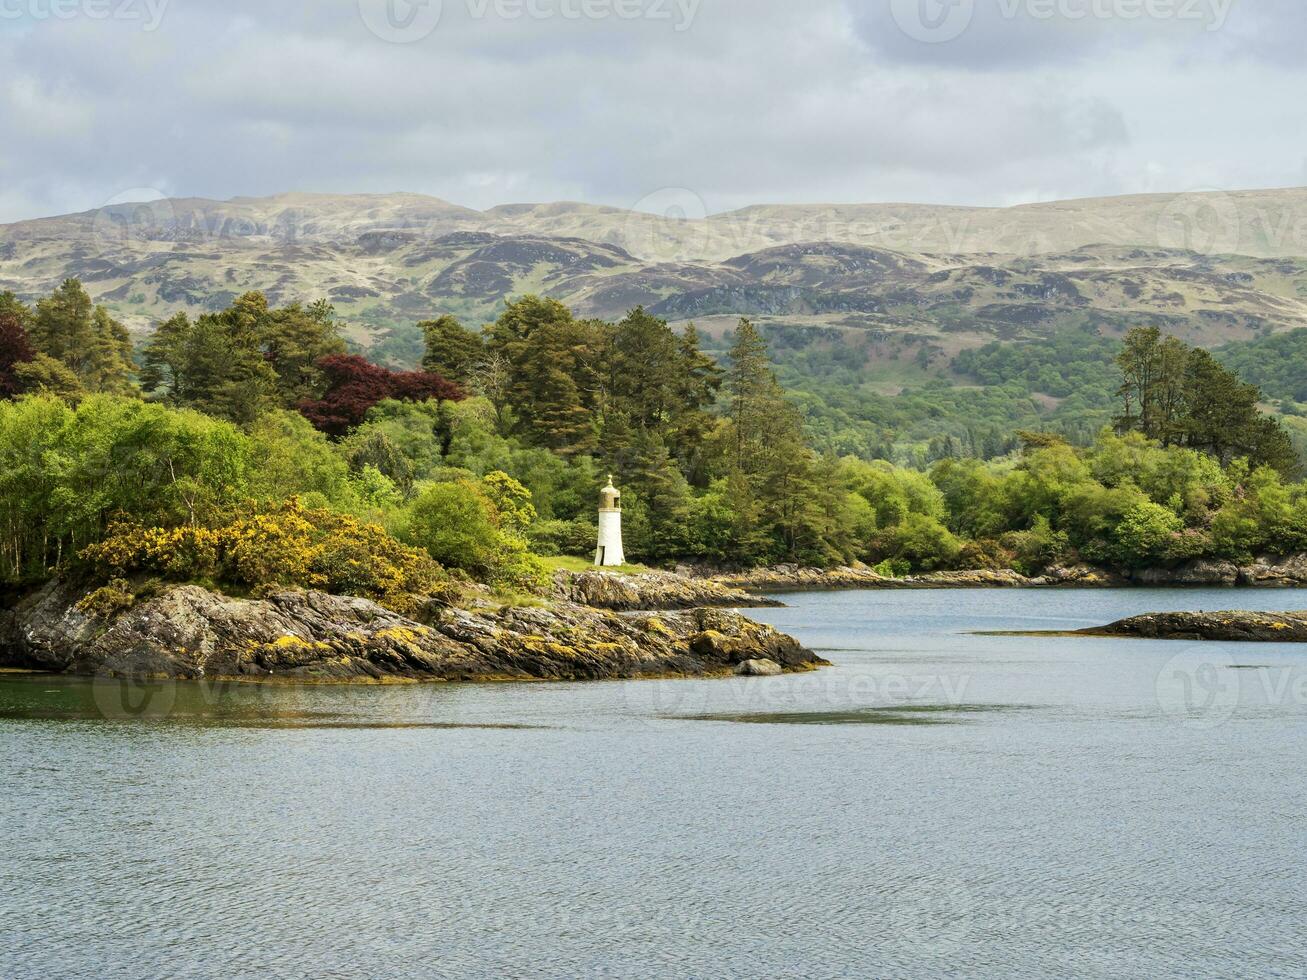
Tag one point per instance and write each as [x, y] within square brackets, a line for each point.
[15, 348]
[354, 385]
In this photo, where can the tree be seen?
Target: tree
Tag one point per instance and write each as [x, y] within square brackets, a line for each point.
[88, 341]
[15, 349]
[552, 373]
[1222, 418]
[1183, 396]
[451, 351]
[354, 386]
[243, 360]
[294, 340]
[43, 375]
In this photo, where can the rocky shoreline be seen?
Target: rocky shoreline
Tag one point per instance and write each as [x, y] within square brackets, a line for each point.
[1265, 572]
[793, 578]
[187, 631]
[1234, 626]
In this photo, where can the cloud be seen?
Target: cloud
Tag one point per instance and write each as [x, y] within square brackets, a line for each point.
[756, 101]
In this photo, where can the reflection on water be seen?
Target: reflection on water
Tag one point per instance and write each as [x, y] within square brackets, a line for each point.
[902, 714]
[934, 804]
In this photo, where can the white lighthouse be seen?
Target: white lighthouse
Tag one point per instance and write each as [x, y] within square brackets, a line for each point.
[609, 553]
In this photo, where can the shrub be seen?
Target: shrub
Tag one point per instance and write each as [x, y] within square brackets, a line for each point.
[920, 540]
[459, 526]
[563, 537]
[109, 600]
[259, 549]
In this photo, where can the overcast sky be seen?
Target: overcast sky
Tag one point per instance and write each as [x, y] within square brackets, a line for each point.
[612, 101]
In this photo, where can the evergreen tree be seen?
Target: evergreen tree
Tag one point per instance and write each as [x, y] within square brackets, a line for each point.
[552, 375]
[294, 340]
[94, 346]
[451, 350]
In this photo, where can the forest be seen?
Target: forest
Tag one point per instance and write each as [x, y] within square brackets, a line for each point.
[248, 447]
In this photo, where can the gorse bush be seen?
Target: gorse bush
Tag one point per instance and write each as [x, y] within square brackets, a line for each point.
[257, 550]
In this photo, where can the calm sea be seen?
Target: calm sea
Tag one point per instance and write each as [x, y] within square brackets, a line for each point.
[936, 804]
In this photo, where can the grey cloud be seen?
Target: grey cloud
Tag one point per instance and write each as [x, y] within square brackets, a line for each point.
[759, 101]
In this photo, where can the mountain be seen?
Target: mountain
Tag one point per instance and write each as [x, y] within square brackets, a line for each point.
[881, 297]
[973, 275]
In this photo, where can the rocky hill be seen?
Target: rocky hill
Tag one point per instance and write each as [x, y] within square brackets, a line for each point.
[893, 282]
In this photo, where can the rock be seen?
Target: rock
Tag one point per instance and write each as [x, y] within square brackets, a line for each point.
[650, 590]
[1079, 575]
[781, 578]
[1200, 572]
[1275, 572]
[188, 632]
[759, 668]
[1239, 626]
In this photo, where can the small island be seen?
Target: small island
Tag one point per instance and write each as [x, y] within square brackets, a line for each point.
[1232, 626]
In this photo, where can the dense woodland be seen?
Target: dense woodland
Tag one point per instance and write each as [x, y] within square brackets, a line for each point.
[248, 448]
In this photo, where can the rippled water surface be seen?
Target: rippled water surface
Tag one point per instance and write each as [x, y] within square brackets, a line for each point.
[937, 803]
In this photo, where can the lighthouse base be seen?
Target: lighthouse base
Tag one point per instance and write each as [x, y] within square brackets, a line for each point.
[609, 553]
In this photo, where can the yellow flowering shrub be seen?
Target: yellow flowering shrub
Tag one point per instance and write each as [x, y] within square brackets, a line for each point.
[259, 548]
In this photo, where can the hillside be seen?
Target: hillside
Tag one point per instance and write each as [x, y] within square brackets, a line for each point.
[848, 317]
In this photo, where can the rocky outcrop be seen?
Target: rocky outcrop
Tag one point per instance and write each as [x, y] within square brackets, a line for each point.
[1239, 626]
[650, 591]
[1275, 572]
[189, 632]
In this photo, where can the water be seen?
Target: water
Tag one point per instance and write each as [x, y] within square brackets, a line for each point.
[937, 804]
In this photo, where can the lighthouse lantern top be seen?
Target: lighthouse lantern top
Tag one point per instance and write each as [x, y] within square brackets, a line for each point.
[610, 498]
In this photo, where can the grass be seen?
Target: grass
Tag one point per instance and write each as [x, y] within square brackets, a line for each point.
[568, 563]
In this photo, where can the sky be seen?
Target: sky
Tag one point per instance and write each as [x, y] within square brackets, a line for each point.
[632, 102]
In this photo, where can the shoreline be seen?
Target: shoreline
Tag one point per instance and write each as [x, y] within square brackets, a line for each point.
[687, 629]
[1268, 572]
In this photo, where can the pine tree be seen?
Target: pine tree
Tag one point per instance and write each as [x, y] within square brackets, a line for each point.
[94, 346]
[451, 350]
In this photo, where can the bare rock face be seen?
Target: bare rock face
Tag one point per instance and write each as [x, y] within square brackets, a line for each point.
[1275, 572]
[1200, 572]
[190, 632]
[651, 590]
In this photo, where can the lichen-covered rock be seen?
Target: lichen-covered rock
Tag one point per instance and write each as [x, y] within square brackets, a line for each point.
[188, 631]
[650, 590]
[1238, 626]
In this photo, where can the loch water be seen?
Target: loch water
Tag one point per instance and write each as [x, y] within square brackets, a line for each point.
[936, 803]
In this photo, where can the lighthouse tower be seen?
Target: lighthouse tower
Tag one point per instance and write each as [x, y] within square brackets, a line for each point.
[610, 552]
